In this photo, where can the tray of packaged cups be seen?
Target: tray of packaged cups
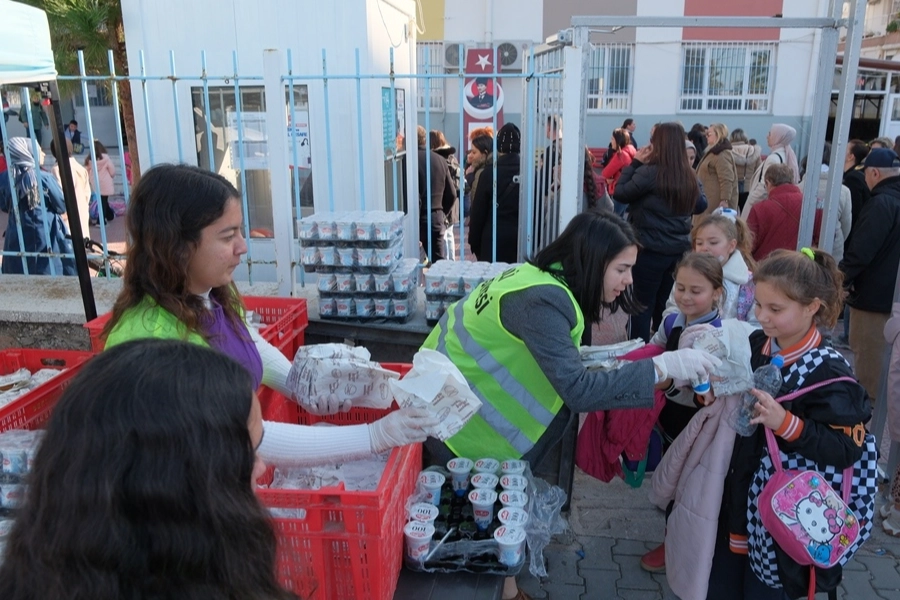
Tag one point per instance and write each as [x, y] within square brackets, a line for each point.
[362, 296]
[356, 241]
[470, 516]
[17, 448]
[446, 281]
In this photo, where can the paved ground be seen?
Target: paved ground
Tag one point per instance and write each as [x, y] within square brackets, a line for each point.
[612, 525]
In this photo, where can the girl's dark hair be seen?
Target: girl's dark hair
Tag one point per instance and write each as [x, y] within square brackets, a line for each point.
[738, 135]
[859, 149]
[142, 485]
[99, 149]
[580, 256]
[707, 265]
[621, 137]
[737, 230]
[591, 194]
[676, 181]
[803, 279]
[484, 144]
[169, 208]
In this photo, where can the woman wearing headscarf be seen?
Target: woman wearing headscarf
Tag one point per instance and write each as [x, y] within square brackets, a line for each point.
[779, 140]
[481, 225]
[43, 229]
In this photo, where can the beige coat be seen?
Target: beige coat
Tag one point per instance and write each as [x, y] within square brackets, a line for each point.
[746, 161]
[692, 473]
[718, 175]
[82, 193]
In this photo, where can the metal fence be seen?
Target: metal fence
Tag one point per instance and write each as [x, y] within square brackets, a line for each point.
[230, 136]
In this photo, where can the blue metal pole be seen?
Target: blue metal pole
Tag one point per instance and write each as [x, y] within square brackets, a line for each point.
[240, 136]
[95, 176]
[394, 149]
[175, 105]
[359, 136]
[464, 143]
[530, 116]
[207, 115]
[146, 99]
[328, 134]
[126, 186]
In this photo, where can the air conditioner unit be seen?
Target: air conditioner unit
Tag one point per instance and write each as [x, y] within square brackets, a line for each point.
[511, 54]
[455, 54]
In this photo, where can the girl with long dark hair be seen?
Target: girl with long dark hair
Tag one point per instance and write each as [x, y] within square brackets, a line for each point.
[143, 485]
[662, 192]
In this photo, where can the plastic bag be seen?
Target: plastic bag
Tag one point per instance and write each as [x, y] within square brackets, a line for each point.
[546, 521]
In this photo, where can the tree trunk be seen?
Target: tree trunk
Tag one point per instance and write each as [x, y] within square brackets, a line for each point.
[117, 41]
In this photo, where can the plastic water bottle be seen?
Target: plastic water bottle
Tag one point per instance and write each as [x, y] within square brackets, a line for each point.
[766, 378]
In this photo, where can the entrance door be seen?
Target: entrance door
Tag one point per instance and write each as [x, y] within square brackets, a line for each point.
[892, 125]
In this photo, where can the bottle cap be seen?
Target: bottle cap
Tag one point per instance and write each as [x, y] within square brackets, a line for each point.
[702, 387]
[778, 360]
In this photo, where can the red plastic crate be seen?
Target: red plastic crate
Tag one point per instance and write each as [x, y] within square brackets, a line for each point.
[31, 410]
[284, 323]
[349, 545]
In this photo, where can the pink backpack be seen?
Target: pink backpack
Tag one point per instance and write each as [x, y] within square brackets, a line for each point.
[802, 512]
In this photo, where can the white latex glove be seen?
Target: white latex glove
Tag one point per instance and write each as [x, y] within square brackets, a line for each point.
[326, 404]
[686, 364]
[401, 427]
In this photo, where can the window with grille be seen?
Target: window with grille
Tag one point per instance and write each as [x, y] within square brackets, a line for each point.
[430, 61]
[609, 78]
[727, 77]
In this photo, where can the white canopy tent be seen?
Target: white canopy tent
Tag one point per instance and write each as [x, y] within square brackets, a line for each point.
[25, 52]
[26, 58]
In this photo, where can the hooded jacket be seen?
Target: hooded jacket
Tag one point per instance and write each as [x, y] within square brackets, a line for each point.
[718, 175]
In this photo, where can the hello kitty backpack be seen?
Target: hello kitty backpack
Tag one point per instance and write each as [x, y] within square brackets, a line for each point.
[804, 515]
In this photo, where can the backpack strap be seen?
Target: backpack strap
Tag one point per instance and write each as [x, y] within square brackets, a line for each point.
[773, 445]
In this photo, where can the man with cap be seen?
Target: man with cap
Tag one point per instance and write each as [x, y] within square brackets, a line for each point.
[870, 265]
[483, 100]
[481, 223]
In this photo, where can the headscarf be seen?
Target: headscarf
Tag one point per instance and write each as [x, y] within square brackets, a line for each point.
[781, 137]
[26, 179]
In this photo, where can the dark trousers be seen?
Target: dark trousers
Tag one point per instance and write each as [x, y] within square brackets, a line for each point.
[732, 578]
[438, 227]
[652, 284]
[108, 213]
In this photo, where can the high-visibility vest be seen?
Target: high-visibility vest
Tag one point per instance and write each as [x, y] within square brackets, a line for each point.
[518, 402]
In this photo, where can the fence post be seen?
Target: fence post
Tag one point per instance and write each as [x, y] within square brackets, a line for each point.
[573, 101]
[279, 171]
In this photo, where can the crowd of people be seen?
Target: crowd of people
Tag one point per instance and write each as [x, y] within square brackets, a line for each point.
[695, 229]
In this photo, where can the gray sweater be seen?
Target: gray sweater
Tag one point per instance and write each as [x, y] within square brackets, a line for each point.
[542, 316]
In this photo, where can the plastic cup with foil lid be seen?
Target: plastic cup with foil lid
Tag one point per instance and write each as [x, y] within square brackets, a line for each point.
[487, 465]
[514, 517]
[483, 507]
[423, 511]
[487, 481]
[418, 536]
[513, 467]
[514, 482]
[513, 498]
[430, 483]
[511, 541]
[460, 468]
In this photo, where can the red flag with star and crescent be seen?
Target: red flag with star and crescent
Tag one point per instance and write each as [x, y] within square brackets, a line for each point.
[482, 95]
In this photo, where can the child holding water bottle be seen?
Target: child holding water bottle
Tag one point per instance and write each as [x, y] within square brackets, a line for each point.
[796, 292]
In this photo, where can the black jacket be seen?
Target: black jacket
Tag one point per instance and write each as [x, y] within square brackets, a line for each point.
[842, 404]
[442, 193]
[658, 228]
[871, 259]
[855, 180]
[481, 233]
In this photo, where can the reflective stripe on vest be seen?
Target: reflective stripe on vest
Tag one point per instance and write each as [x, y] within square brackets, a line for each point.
[518, 402]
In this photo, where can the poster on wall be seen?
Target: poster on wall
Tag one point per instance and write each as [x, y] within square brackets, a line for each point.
[393, 119]
[483, 95]
[252, 143]
[298, 132]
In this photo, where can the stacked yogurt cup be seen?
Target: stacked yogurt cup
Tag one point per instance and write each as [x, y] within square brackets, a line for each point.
[357, 256]
[481, 500]
[17, 451]
[446, 281]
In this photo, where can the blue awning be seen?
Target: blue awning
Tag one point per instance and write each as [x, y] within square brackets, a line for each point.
[25, 52]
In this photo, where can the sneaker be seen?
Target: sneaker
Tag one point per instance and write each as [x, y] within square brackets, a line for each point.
[892, 523]
[655, 560]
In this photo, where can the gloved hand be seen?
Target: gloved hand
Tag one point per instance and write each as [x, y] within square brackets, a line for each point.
[325, 404]
[687, 364]
[401, 427]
